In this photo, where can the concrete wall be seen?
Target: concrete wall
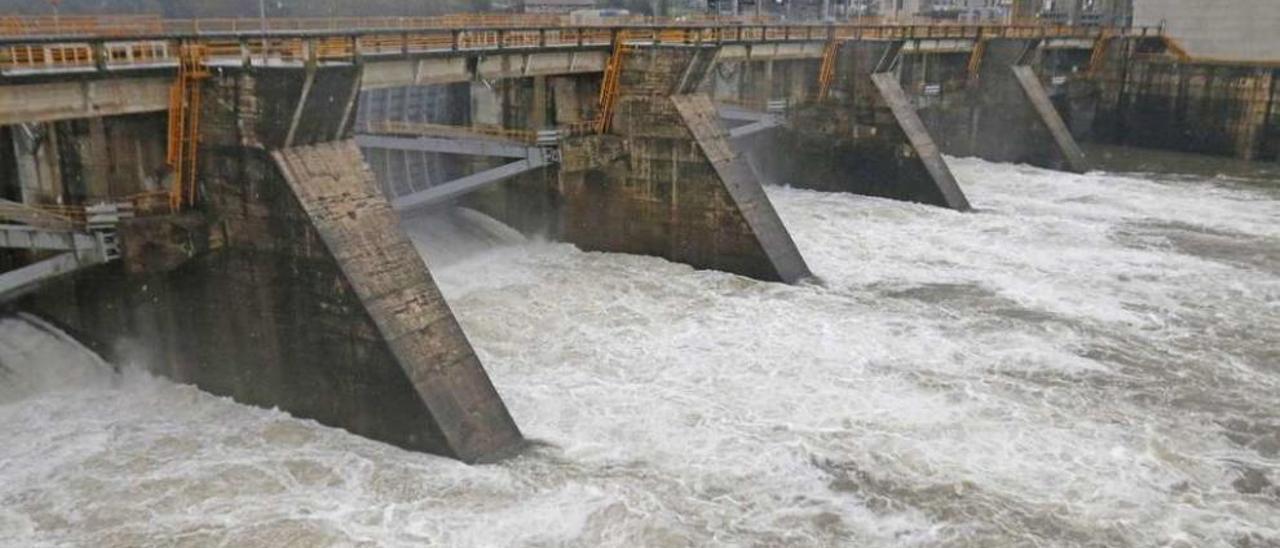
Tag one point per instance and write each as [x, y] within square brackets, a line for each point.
[1206, 108]
[1226, 29]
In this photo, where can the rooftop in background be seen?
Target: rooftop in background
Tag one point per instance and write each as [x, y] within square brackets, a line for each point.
[557, 6]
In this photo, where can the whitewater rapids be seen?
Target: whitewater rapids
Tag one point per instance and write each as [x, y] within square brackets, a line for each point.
[1086, 360]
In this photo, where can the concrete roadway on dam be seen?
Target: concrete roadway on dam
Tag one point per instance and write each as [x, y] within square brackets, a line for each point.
[45, 78]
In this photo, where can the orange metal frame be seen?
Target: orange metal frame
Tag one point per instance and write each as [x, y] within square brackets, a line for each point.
[112, 47]
[827, 72]
[184, 124]
[612, 84]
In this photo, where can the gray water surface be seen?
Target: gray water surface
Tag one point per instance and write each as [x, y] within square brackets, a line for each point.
[1088, 360]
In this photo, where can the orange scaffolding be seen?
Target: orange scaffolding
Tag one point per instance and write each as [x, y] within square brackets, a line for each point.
[612, 83]
[184, 124]
[827, 72]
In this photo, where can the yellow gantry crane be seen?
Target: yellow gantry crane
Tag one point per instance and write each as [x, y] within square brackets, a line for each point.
[184, 124]
[612, 83]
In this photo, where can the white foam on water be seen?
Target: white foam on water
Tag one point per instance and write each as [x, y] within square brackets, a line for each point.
[1066, 366]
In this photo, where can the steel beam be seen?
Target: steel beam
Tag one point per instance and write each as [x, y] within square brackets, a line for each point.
[459, 187]
[759, 121]
[15, 283]
[467, 146]
[27, 215]
[26, 237]
[83, 251]
[739, 114]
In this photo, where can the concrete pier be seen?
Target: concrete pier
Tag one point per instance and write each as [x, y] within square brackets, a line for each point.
[1013, 118]
[460, 412]
[1072, 157]
[865, 139]
[664, 182]
[291, 286]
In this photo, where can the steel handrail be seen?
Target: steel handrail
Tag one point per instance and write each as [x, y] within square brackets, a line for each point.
[40, 53]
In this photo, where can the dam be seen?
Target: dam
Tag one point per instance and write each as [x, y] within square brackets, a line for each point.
[669, 213]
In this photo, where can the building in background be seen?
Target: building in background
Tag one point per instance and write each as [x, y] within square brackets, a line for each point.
[1084, 12]
[1228, 29]
[947, 10]
[557, 6]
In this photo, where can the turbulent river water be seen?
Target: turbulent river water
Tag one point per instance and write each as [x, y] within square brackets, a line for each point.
[1086, 360]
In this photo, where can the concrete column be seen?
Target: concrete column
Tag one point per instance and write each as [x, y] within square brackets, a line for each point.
[1257, 107]
[97, 165]
[569, 104]
[26, 166]
[799, 81]
[538, 118]
[39, 170]
[768, 83]
[486, 105]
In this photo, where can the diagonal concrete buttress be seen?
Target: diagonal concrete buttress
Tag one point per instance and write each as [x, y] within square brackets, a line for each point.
[1068, 149]
[663, 182]
[362, 233]
[666, 183]
[1014, 120]
[742, 184]
[866, 138]
[918, 136]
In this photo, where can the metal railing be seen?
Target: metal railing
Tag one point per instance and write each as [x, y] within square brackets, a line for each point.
[125, 25]
[51, 53]
[524, 136]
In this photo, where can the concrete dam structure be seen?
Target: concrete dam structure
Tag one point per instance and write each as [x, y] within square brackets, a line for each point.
[230, 201]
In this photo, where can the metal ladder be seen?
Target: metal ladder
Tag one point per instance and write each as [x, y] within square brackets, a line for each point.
[184, 124]
[612, 84]
[827, 72]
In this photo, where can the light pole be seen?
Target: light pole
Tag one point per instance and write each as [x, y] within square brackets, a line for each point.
[262, 20]
[57, 20]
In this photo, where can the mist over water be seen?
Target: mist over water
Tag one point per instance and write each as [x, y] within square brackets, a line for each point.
[1087, 360]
